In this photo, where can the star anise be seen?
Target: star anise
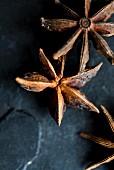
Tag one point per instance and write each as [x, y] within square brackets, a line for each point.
[64, 90]
[93, 27]
[104, 142]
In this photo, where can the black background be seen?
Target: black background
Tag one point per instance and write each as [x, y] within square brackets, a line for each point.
[27, 131]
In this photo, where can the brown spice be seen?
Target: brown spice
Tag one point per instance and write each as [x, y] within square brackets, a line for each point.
[104, 142]
[64, 89]
[95, 26]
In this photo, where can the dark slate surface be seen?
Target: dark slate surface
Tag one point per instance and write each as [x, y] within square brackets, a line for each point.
[29, 138]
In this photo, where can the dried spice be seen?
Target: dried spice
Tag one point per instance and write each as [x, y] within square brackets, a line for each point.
[104, 142]
[93, 27]
[64, 90]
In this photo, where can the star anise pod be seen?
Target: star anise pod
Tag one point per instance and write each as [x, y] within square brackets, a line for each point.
[104, 142]
[64, 90]
[93, 27]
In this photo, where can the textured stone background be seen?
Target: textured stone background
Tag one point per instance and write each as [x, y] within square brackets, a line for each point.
[29, 138]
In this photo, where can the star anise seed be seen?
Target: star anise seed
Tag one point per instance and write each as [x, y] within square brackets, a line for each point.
[95, 26]
[63, 89]
[104, 142]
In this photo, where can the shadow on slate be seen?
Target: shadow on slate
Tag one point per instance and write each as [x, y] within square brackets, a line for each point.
[21, 139]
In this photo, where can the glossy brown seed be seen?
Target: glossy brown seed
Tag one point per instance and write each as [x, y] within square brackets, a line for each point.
[62, 92]
[104, 142]
[93, 27]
